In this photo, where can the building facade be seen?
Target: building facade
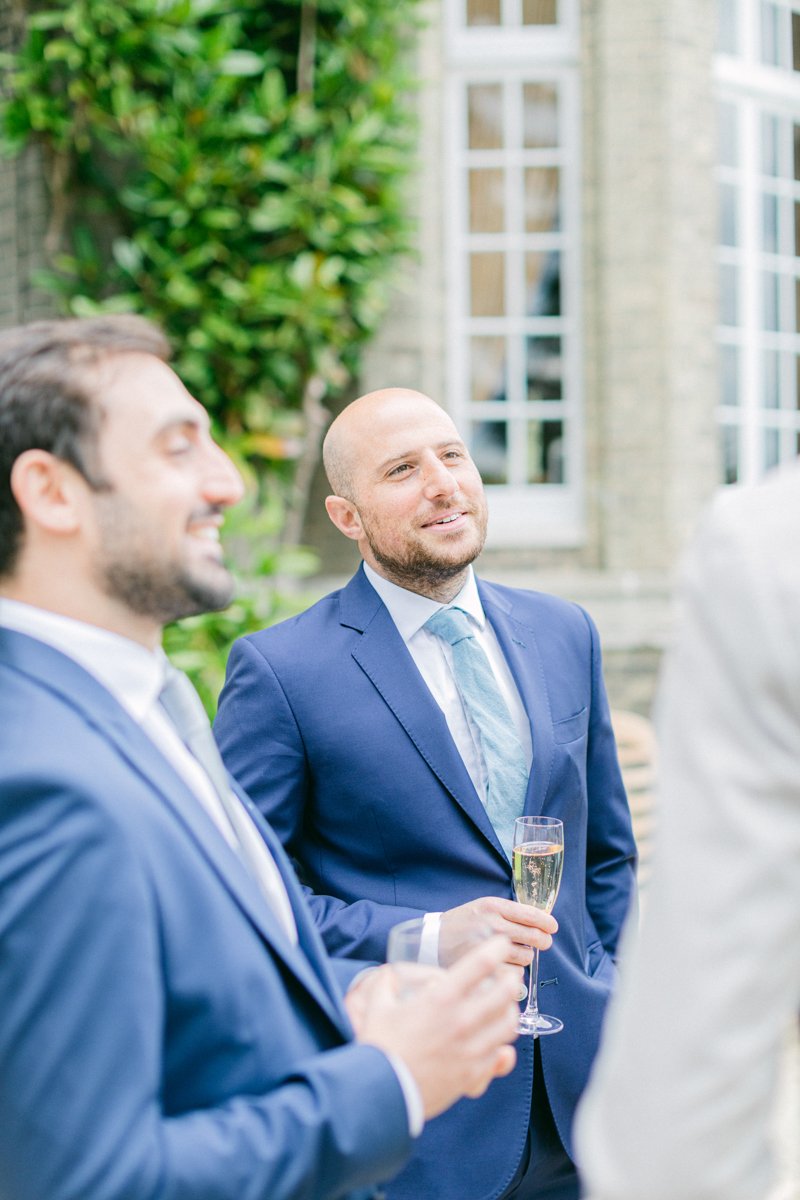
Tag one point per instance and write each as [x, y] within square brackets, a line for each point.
[606, 294]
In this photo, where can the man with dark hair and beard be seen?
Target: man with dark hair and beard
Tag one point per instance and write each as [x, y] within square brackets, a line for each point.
[171, 1023]
[394, 782]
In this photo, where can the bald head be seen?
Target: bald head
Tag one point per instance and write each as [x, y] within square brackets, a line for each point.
[352, 438]
[406, 490]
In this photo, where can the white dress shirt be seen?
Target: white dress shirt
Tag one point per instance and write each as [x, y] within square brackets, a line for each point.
[434, 659]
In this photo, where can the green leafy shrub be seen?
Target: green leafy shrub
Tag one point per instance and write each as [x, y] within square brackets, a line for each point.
[236, 172]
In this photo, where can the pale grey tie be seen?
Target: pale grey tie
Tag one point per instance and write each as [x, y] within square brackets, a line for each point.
[503, 757]
[184, 708]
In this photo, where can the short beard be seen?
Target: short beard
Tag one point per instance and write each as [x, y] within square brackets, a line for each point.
[420, 572]
[165, 596]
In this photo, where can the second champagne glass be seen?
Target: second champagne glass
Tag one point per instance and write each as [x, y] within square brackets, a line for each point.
[537, 864]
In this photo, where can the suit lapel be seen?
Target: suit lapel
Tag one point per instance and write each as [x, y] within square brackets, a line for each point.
[383, 656]
[102, 711]
[313, 965]
[518, 643]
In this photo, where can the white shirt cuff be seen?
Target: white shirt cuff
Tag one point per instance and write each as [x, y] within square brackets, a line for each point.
[429, 942]
[415, 1109]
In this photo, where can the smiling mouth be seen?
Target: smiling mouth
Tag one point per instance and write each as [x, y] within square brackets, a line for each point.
[443, 522]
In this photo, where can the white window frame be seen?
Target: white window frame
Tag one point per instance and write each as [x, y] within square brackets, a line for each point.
[756, 90]
[531, 514]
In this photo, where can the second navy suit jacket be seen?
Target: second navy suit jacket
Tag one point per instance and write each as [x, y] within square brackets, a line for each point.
[327, 723]
[160, 1034]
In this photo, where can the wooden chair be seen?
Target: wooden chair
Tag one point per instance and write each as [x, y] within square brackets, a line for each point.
[636, 746]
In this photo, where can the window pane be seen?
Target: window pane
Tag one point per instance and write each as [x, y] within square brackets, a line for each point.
[727, 39]
[796, 306]
[486, 203]
[541, 199]
[770, 35]
[770, 210]
[483, 12]
[796, 247]
[539, 12]
[540, 101]
[488, 449]
[771, 293]
[795, 41]
[730, 453]
[485, 116]
[796, 132]
[772, 448]
[545, 452]
[487, 285]
[543, 284]
[543, 357]
[728, 215]
[770, 145]
[729, 374]
[728, 135]
[797, 383]
[728, 300]
[488, 361]
[771, 395]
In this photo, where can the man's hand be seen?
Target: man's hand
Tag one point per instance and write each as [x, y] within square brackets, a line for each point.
[452, 1028]
[522, 924]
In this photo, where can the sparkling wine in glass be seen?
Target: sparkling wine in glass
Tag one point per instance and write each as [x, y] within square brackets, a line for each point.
[537, 864]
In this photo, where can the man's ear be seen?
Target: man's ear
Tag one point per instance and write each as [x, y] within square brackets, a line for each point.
[45, 488]
[345, 517]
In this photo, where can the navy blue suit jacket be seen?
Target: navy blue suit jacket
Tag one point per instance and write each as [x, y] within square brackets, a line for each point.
[160, 1036]
[327, 723]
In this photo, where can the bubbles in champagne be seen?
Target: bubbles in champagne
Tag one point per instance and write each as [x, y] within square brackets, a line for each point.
[537, 873]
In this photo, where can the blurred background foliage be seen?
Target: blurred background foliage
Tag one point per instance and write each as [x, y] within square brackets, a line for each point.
[236, 172]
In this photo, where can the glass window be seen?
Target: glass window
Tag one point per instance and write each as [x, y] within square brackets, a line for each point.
[729, 374]
[759, 236]
[501, 14]
[539, 12]
[483, 12]
[514, 341]
[728, 27]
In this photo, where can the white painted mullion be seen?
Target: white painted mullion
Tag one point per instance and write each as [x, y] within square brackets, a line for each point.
[457, 274]
[751, 290]
[571, 340]
[512, 13]
[516, 298]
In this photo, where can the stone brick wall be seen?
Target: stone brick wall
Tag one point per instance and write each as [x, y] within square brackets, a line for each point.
[23, 218]
[649, 256]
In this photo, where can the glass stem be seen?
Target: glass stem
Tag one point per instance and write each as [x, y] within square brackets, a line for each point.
[532, 1007]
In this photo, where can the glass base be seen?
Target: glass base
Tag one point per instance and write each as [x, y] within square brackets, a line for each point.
[538, 1025]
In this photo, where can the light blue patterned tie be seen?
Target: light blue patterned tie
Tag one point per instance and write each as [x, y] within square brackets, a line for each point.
[503, 757]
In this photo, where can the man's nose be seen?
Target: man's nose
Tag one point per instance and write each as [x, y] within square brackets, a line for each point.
[222, 483]
[438, 480]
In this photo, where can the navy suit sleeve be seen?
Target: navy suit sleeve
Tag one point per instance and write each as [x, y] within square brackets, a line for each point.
[610, 849]
[86, 1024]
[262, 745]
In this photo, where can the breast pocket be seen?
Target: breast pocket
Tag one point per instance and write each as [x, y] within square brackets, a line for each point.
[571, 728]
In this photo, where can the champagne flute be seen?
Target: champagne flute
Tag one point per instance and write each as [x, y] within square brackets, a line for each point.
[537, 864]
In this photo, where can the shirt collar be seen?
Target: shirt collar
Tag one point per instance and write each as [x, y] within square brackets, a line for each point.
[410, 611]
[131, 673]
